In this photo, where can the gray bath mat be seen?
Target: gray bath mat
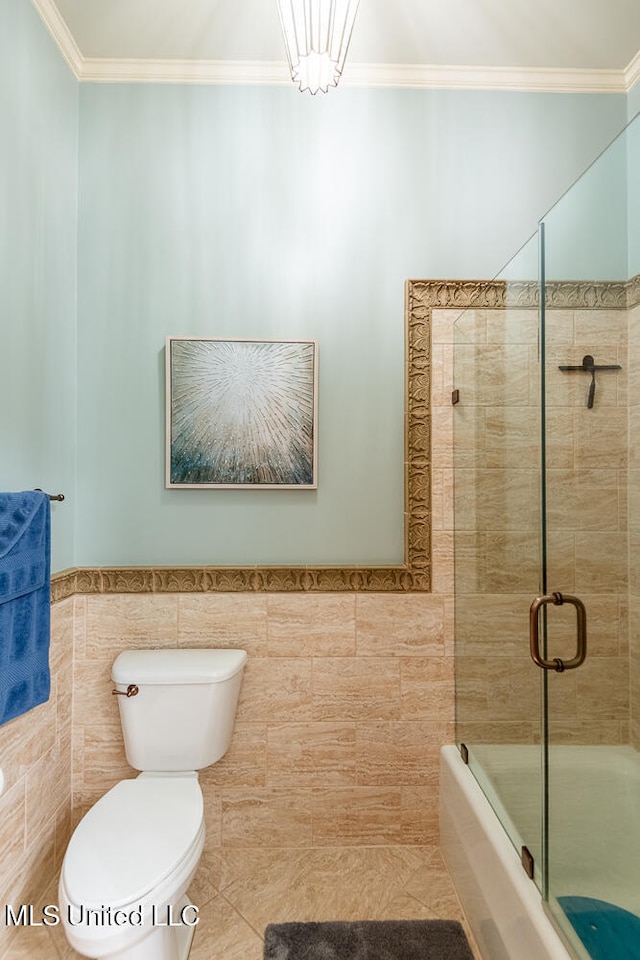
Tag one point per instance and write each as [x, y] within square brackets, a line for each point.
[367, 940]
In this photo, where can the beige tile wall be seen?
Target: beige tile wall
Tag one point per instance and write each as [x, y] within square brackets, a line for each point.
[345, 702]
[498, 551]
[35, 807]
[587, 507]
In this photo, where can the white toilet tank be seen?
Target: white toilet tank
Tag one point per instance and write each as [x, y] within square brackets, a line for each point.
[182, 716]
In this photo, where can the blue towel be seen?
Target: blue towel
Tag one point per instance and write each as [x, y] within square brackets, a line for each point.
[25, 602]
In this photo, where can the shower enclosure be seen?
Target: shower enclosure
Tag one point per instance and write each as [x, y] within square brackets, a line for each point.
[547, 568]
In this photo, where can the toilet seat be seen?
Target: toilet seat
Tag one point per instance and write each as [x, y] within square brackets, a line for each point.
[132, 839]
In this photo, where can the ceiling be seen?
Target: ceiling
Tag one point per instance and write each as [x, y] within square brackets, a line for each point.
[593, 39]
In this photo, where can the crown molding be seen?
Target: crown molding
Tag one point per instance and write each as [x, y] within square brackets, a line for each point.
[61, 34]
[537, 79]
[416, 76]
[276, 73]
[268, 72]
[632, 72]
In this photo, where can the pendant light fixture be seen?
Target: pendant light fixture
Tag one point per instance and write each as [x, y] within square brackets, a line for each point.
[316, 36]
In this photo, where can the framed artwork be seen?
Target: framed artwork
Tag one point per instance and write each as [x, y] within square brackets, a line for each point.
[241, 413]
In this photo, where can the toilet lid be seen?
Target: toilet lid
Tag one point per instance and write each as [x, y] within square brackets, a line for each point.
[133, 837]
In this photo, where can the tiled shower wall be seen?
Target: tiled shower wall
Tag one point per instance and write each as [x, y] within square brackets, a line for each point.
[498, 548]
[587, 492]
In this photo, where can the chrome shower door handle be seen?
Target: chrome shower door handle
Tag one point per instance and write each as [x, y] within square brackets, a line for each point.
[557, 599]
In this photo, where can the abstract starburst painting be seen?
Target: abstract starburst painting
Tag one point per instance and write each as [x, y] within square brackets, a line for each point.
[241, 413]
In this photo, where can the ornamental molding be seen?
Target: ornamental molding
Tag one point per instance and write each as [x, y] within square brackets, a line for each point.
[499, 294]
[281, 579]
[633, 291]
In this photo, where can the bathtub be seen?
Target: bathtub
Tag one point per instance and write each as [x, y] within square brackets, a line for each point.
[503, 906]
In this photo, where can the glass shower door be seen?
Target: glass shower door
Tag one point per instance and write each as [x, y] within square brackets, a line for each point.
[590, 880]
[496, 454]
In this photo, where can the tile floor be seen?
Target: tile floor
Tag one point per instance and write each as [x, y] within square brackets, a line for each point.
[239, 891]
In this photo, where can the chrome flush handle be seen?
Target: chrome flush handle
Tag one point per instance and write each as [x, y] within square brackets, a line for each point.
[557, 599]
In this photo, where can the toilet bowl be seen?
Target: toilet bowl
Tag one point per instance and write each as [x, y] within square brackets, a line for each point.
[132, 857]
[127, 869]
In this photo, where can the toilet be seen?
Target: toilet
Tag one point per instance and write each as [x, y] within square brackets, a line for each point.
[123, 885]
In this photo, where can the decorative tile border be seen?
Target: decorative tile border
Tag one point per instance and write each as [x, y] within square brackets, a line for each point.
[633, 292]
[63, 585]
[414, 575]
[498, 294]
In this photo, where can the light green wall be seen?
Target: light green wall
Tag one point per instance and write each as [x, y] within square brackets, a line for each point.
[586, 235]
[633, 178]
[593, 231]
[633, 110]
[38, 216]
[222, 211]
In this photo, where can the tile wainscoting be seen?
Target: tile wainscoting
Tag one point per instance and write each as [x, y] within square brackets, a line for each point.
[345, 702]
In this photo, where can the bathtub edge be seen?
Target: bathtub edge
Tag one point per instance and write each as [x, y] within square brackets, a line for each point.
[503, 907]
